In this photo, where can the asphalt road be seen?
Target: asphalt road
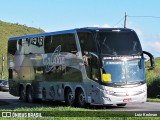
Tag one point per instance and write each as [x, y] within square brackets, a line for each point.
[16, 103]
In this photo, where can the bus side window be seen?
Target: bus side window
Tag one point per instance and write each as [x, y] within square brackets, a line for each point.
[68, 43]
[12, 47]
[87, 42]
[51, 43]
[47, 44]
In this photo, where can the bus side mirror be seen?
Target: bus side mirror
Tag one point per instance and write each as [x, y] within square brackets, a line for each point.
[151, 60]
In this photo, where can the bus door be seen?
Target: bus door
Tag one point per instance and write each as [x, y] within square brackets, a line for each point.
[91, 61]
[94, 74]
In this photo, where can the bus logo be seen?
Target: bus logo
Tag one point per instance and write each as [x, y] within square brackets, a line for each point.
[53, 60]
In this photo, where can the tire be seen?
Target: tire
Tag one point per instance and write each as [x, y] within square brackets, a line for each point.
[121, 105]
[22, 94]
[44, 94]
[30, 97]
[69, 98]
[81, 99]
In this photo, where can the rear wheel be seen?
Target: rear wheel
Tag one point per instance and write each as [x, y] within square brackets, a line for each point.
[81, 99]
[69, 97]
[30, 98]
[22, 94]
[44, 93]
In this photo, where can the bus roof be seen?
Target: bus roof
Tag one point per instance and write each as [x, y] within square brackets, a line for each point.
[69, 31]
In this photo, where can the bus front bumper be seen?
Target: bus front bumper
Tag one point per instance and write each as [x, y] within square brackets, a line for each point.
[124, 95]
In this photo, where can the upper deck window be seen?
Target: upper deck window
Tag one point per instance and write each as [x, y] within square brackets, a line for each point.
[118, 43]
[87, 42]
[66, 41]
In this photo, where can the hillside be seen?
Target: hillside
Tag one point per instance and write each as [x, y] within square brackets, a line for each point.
[8, 30]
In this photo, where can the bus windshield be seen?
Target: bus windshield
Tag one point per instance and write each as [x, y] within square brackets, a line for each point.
[118, 43]
[125, 72]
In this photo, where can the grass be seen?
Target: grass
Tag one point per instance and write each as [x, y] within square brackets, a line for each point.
[153, 100]
[73, 112]
[89, 118]
[67, 113]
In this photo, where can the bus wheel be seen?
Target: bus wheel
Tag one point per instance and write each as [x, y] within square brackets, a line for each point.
[81, 100]
[69, 98]
[123, 104]
[30, 98]
[44, 93]
[22, 94]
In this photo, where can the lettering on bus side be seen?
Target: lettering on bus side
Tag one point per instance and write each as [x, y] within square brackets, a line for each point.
[53, 60]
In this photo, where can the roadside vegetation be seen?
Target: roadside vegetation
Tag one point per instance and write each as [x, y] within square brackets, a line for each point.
[86, 118]
[153, 100]
[67, 113]
[153, 80]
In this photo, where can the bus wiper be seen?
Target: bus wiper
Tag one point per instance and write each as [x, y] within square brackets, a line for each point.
[112, 53]
[136, 54]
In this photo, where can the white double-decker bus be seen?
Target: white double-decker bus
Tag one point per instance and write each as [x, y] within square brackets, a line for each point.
[83, 66]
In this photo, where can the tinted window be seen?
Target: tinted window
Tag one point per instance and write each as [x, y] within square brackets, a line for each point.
[118, 43]
[87, 42]
[12, 47]
[47, 44]
[67, 42]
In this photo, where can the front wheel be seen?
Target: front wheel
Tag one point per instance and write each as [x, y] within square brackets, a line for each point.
[81, 99]
[22, 94]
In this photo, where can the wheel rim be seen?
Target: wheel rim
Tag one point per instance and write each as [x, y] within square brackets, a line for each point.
[30, 99]
[81, 99]
[70, 97]
[22, 94]
[44, 93]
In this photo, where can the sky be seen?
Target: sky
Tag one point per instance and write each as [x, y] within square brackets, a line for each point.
[56, 15]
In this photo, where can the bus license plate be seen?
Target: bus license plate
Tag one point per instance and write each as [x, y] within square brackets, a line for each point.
[127, 99]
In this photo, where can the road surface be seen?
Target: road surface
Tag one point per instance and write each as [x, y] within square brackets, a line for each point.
[16, 103]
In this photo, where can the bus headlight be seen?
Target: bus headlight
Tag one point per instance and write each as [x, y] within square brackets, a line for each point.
[109, 92]
[107, 99]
